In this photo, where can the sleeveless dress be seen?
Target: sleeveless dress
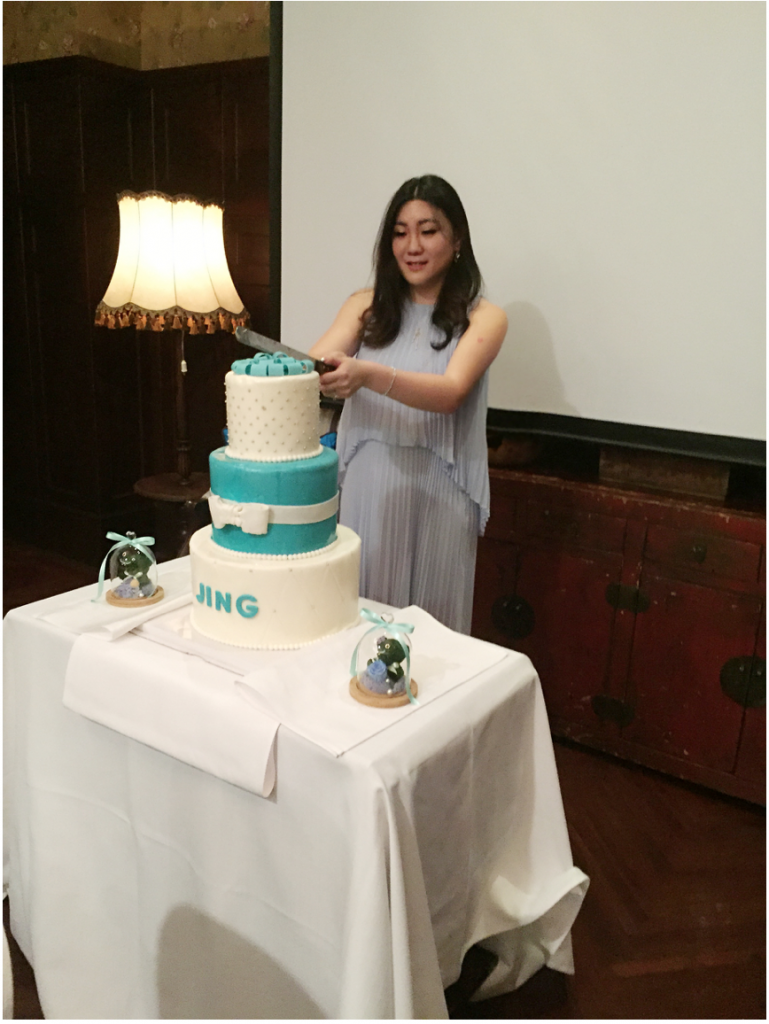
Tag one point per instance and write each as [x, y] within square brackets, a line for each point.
[415, 484]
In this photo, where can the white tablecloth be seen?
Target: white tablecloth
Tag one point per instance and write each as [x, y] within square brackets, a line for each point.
[144, 888]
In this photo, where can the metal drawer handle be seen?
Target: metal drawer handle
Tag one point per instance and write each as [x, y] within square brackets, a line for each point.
[744, 681]
[611, 709]
[699, 552]
[513, 616]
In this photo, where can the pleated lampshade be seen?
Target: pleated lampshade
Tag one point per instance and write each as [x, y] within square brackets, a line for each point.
[171, 270]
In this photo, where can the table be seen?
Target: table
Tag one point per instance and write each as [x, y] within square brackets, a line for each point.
[143, 888]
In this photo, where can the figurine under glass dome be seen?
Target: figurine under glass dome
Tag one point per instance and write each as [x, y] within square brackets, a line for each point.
[381, 664]
[132, 572]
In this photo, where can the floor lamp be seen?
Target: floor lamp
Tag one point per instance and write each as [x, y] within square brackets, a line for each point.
[171, 275]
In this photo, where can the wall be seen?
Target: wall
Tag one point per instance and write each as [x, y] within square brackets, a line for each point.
[611, 157]
[143, 36]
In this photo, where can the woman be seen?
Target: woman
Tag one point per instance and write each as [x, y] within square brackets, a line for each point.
[410, 358]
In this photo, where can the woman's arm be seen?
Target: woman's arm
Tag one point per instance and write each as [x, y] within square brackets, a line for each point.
[342, 336]
[433, 392]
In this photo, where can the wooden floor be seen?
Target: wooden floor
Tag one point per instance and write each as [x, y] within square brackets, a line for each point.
[674, 922]
[30, 575]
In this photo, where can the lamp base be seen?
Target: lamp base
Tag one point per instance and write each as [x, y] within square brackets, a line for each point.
[169, 487]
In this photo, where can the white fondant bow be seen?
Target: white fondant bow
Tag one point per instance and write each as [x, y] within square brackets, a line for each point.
[253, 517]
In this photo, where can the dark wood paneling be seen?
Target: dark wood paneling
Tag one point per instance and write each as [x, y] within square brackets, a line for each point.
[50, 141]
[89, 411]
[245, 191]
[188, 150]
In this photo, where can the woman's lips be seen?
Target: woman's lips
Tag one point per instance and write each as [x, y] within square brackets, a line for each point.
[416, 264]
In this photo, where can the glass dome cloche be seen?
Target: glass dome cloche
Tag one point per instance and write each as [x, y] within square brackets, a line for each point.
[381, 664]
[131, 571]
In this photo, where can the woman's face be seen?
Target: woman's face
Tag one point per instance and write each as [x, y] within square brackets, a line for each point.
[424, 247]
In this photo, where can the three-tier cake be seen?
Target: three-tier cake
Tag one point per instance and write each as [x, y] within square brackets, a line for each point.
[274, 570]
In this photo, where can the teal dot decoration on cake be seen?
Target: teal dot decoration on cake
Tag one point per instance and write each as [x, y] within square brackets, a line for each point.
[272, 365]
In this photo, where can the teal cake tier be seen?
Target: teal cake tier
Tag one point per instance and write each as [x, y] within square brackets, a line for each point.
[300, 482]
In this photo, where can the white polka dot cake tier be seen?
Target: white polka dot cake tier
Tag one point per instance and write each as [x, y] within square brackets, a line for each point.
[272, 419]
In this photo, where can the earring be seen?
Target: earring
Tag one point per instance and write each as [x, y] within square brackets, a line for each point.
[456, 256]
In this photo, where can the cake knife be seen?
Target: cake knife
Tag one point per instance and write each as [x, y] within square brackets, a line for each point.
[263, 344]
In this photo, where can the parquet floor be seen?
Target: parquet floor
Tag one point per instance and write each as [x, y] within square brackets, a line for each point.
[674, 923]
[30, 574]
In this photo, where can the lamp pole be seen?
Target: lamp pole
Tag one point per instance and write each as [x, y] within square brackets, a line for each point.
[182, 430]
[184, 487]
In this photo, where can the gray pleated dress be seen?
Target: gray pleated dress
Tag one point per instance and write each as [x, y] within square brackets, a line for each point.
[415, 484]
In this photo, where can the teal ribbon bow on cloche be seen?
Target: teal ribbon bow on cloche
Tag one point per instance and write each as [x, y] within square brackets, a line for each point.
[142, 543]
[398, 630]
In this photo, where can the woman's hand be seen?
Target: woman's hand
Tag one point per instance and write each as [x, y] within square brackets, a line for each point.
[347, 377]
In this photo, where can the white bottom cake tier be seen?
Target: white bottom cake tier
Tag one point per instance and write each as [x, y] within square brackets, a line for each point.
[274, 602]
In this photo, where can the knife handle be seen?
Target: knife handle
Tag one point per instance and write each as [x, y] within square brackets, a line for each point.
[322, 367]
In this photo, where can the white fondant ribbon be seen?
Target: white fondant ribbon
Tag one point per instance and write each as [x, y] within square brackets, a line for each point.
[254, 517]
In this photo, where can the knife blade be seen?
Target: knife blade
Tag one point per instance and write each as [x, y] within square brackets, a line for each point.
[264, 344]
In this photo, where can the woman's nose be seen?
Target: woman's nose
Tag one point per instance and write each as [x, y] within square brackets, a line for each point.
[415, 243]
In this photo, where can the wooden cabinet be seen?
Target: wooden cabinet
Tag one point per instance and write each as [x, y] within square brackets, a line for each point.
[644, 616]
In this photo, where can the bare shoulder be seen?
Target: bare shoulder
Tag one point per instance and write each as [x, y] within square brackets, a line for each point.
[354, 307]
[360, 301]
[488, 316]
[342, 335]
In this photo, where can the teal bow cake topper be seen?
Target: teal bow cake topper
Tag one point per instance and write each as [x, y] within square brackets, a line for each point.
[272, 365]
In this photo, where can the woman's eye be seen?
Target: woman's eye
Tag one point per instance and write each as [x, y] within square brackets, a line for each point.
[429, 231]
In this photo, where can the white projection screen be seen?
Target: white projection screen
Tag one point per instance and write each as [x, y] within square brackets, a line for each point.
[611, 158]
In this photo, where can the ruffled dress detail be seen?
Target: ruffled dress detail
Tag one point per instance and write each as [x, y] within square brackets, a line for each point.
[458, 440]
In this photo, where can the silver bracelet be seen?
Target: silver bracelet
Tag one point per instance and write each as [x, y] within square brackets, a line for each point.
[390, 385]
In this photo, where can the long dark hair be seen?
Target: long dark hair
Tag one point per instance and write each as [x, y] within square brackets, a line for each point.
[382, 321]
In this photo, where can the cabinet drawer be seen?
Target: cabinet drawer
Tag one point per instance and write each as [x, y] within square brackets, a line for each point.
[736, 559]
[575, 527]
[502, 523]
